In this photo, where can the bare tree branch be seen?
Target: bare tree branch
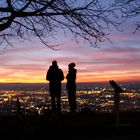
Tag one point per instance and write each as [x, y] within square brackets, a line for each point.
[87, 19]
[130, 9]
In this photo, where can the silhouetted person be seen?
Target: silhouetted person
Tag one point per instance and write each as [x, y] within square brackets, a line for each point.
[55, 76]
[71, 87]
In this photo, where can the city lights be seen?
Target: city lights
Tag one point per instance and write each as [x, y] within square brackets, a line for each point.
[98, 99]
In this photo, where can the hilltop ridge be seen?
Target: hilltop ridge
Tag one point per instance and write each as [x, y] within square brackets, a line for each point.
[82, 125]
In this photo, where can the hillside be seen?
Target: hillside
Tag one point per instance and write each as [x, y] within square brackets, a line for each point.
[83, 125]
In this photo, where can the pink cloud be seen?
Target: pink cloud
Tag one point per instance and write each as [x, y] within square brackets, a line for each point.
[124, 50]
[31, 62]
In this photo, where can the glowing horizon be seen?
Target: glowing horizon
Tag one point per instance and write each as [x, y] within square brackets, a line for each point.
[101, 65]
[28, 62]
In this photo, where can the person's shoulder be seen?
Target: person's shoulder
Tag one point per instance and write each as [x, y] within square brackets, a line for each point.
[75, 70]
[59, 69]
[49, 68]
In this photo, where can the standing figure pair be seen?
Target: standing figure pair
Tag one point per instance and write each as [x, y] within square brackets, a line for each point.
[55, 76]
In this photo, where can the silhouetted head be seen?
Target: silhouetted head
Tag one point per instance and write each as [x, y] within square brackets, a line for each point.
[72, 65]
[54, 63]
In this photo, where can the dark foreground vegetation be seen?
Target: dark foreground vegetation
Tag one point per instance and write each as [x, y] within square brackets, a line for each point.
[82, 125]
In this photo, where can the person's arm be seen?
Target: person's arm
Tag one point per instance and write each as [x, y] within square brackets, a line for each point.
[62, 75]
[48, 75]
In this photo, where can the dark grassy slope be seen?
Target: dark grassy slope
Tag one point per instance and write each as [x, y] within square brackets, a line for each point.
[82, 125]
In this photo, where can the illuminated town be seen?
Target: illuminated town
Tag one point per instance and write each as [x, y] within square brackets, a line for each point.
[97, 98]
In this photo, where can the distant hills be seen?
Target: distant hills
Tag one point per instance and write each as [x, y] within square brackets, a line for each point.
[44, 86]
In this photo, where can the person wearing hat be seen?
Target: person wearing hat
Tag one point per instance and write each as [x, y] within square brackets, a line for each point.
[71, 86]
[55, 76]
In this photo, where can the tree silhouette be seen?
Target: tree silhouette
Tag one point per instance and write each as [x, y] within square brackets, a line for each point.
[130, 9]
[86, 19]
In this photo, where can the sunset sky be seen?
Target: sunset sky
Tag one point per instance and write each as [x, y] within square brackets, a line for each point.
[116, 60]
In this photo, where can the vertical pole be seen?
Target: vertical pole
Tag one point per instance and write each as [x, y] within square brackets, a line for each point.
[117, 90]
[117, 109]
[18, 106]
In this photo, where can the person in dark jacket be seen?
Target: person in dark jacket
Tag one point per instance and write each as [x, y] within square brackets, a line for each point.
[55, 76]
[71, 87]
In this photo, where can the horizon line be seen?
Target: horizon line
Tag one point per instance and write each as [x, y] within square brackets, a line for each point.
[65, 82]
